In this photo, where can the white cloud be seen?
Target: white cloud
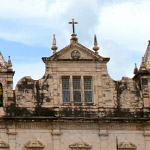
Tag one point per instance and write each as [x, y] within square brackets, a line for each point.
[122, 27]
[32, 8]
[128, 23]
[15, 37]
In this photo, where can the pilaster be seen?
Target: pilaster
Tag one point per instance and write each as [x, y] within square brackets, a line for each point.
[103, 134]
[147, 139]
[56, 133]
[12, 138]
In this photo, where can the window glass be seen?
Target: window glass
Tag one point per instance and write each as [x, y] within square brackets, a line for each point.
[88, 96]
[77, 89]
[88, 89]
[87, 83]
[66, 89]
[76, 83]
[65, 83]
[77, 96]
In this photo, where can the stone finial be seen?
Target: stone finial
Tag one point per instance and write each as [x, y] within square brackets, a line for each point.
[9, 63]
[143, 66]
[147, 57]
[54, 47]
[95, 48]
[74, 38]
[135, 69]
[2, 61]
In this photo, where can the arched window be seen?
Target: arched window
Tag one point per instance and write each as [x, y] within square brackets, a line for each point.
[1, 95]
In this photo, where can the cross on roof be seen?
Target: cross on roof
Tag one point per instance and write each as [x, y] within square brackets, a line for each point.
[73, 23]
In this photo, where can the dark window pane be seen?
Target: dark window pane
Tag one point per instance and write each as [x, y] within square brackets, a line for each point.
[88, 96]
[77, 96]
[87, 83]
[65, 83]
[66, 96]
[144, 81]
[88, 89]
[66, 89]
[1, 95]
[76, 83]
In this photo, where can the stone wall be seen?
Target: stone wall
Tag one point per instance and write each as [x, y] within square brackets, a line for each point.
[49, 135]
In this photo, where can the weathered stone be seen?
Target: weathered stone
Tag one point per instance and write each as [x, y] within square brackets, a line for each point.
[114, 115]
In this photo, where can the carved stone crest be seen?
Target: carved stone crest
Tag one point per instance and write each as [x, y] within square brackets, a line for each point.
[75, 54]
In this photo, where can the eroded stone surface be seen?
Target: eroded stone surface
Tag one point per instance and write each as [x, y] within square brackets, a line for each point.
[34, 115]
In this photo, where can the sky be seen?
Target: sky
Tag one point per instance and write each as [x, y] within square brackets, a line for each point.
[27, 27]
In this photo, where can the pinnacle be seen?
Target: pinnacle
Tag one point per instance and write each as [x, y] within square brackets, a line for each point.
[95, 48]
[146, 59]
[135, 69]
[54, 47]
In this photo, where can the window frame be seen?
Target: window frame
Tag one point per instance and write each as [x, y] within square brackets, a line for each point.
[88, 90]
[77, 90]
[65, 90]
[82, 89]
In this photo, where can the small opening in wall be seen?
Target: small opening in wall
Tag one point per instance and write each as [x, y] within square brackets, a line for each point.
[1, 95]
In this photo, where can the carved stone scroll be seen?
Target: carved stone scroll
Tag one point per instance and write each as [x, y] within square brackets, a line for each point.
[80, 146]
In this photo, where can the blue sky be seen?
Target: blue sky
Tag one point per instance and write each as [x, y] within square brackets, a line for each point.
[27, 28]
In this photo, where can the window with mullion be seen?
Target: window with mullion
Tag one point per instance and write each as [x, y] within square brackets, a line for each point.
[66, 89]
[77, 89]
[88, 89]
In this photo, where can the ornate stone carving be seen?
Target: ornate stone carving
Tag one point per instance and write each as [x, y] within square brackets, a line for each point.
[3, 145]
[75, 54]
[80, 145]
[35, 144]
[126, 145]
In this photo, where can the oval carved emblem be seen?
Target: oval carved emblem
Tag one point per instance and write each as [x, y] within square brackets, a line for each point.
[75, 54]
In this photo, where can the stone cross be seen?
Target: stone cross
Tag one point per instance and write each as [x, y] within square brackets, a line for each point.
[73, 23]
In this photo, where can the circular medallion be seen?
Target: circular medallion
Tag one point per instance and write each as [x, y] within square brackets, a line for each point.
[75, 54]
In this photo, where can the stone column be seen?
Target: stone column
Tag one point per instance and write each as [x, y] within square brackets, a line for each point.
[56, 133]
[12, 139]
[147, 140]
[103, 139]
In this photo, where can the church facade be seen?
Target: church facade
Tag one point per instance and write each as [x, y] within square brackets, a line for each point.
[76, 105]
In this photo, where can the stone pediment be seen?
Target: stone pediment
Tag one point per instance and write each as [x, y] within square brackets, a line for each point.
[75, 51]
[80, 145]
[126, 145]
[3, 145]
[34, 144]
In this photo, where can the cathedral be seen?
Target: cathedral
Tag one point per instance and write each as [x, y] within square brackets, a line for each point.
[76, 105]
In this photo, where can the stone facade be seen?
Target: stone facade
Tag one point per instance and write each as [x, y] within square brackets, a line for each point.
[75, 105]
